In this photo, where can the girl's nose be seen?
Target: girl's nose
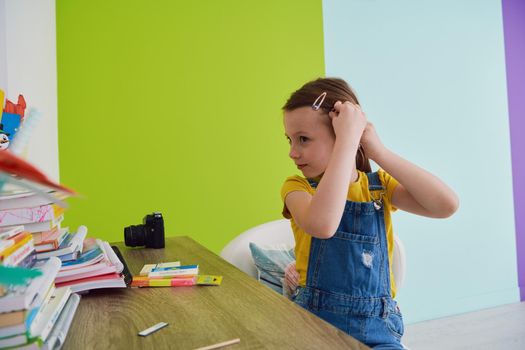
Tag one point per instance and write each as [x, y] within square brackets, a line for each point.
[293, 153]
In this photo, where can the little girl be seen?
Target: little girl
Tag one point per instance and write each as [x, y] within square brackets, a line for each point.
[340, 211]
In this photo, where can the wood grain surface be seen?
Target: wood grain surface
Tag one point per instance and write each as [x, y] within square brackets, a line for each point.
[198, 316]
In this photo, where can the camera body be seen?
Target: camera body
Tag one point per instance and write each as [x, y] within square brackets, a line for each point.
[149, 234]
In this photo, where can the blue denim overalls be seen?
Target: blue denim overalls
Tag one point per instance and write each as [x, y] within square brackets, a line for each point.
[348, 278]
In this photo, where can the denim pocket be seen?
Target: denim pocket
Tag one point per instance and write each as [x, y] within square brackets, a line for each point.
[345, 263]
[394, 322]
[357, 237]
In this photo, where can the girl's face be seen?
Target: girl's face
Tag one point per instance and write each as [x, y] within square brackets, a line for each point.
[311, 138]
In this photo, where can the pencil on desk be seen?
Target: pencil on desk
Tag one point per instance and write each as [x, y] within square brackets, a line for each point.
[220, 345]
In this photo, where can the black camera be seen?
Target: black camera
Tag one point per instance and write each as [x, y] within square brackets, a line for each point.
[150, 234]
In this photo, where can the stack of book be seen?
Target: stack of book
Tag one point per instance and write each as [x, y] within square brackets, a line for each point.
[41, 263]
[97, 267]
[38, 214]
[65, 245]
[86, 264]
[36, 314]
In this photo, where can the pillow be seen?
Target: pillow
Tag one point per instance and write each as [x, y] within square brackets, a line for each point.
[270, 262]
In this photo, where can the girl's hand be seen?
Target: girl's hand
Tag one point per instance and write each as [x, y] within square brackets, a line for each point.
[291, 277]
[371, 143]
[348, 120]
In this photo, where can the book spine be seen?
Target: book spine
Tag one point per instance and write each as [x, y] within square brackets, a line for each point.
[18, 241]
[37, 236]
[33, 294]
[110, 255]
[69, 257]
[29, 261]
[166, 266]
[42, 236]
[189, 270]
[72, 251]
[19, 255]
[43, 283]
[10, 331]
[48, 247]
[43, 226]
[7, 233]
[30, 215]
[56, 313]
[4, 245]
[39, 315]
[31, 200]
[84, 260]
[10, 319]
[126, 274]
[31, 315]
[56, 237]
[59, 332]
[20, 237]
[101, 270]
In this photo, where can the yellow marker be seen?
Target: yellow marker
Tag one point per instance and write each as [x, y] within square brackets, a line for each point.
[209, 280]
[2, 94]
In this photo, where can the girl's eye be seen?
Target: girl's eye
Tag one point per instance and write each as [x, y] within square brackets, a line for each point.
[288, 139]
[303, 139]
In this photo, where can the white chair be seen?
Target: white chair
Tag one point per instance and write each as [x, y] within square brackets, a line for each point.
[237, 251]
[399, 262]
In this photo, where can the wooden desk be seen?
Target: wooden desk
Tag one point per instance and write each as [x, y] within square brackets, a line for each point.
[198, 316]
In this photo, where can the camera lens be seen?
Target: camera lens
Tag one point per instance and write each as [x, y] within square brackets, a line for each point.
[134, 235]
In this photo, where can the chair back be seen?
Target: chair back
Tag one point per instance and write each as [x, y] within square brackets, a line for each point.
[399, 262]
[237, 251]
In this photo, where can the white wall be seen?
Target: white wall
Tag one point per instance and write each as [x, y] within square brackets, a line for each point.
[3, 56]
[28, 67]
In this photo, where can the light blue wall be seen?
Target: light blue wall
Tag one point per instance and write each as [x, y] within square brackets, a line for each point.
[431, 77]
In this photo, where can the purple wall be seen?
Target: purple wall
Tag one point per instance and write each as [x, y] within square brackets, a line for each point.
[514, 31]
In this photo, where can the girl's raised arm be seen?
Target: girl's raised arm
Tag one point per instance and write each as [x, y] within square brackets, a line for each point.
[419, 191]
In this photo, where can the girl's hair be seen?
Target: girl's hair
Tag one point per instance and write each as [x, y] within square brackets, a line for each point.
[336, 90]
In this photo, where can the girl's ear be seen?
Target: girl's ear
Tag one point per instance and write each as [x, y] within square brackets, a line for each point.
[333, 113]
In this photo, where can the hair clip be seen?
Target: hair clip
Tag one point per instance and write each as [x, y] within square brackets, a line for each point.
[318, 101]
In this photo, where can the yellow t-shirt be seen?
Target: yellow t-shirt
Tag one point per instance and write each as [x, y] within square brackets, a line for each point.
[357, 192]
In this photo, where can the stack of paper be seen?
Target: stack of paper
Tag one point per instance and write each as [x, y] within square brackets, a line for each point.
[97, 267]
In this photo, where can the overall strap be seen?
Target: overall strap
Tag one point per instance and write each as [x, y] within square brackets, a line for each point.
[374, 183]
[312, 183]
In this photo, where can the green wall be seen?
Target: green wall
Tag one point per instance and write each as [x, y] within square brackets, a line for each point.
[174, 106]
